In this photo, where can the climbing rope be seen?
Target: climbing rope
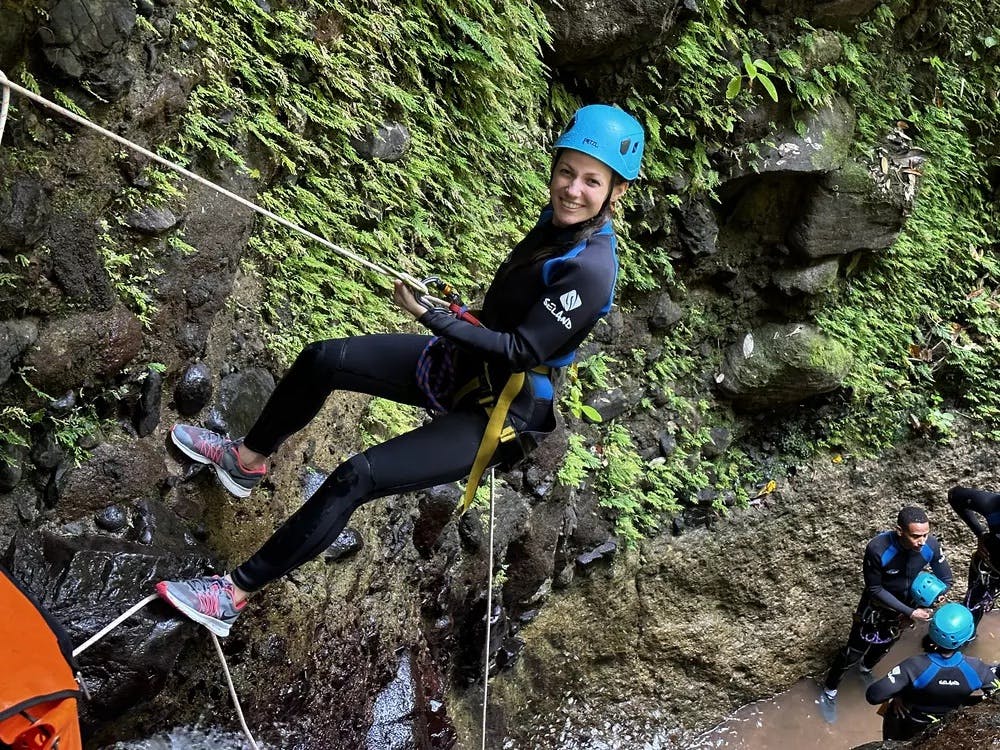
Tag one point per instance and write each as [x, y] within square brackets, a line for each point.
[418, 285]
[489, 608]
[9, 86]
[135, 608]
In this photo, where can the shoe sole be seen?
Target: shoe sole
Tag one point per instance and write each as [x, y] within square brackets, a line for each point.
[222, 474]
[217, 627]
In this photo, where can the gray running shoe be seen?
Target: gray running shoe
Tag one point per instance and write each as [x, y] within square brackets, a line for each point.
[827, 707]
[207, 447]
[208, 601]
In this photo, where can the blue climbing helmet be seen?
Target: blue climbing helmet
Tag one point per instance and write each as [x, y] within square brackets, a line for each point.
[951, 626]
[608, 134]
[926, 588]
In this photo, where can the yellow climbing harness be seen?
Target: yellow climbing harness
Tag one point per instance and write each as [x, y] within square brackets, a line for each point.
[498, 431]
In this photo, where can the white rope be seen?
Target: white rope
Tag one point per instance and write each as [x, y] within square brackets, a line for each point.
[112, 625]
[9, 85]
[489, 608]
[232, 692]
[222, 658]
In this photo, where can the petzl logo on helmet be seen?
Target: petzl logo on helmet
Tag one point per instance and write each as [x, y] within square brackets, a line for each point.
[570, 300]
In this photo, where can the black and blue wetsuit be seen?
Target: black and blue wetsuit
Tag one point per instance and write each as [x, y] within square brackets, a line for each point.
[545, 298]
[926, 687]
[984, 568]
[889, 571]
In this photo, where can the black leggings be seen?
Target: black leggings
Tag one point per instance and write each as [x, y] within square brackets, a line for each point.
[857, 649]
[435, 453]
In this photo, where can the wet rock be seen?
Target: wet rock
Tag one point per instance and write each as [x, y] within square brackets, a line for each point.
[508, 652]
[666, 314]
[389, 143]
[348, 544]
[667, 444]
[85, 582]
[697, 228]
[193, 288]
[435, 508]
[147, 411]
[719, 439]
[152, 221]
[145, 522]
[24, 211]
[64, 405]
[46, 453]
[539, 481]
[810, 280]
[194, 389]
[782, 364]
[846, 212]
[117, 472]
[470, 531]
[75, 350]
[392, 725]
[77, 267]
[609, 403]
[240, 400]
[113, 518]
[15, 338]
[11, 466]
[602, 552]
[585, 31]
[145, 8]
[86, 40]
[168, 99]
[822, 146]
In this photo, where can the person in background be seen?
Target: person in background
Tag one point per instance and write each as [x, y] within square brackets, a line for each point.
[543, 301]
[923, 688]
[892, 562]
[984, 568]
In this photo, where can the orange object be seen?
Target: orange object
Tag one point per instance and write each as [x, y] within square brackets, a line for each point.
[38, 693]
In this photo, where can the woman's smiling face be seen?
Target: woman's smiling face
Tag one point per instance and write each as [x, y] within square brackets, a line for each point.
[580, 185]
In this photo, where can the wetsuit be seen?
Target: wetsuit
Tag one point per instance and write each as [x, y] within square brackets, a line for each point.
[545, 298]
[886, 602]
[925, 688]
[984, 568]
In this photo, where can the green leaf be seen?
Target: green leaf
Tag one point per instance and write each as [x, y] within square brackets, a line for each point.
[763, 65]
[590, 413]
[768, 86]
[733, 89]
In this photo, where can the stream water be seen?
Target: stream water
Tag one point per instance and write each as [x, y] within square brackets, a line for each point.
[788, 720]
[792, 719]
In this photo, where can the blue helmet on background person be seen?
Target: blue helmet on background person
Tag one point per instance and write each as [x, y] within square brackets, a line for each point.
[608, 134]
[951, 626]
[926, 588]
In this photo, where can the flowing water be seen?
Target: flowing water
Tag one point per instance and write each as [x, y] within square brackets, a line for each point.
[788, 720]
[792, 719]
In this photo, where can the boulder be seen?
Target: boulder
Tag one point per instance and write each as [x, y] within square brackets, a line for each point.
[75, 350]
[777, 365]
[821, 143]
[117, 472]
[587, 31]
[812, 279]
[24, 212]
[86, 40]
[86, 581]
[194, 389]
[389, 142]
[241, 397]
[847, 211]
[15, 338]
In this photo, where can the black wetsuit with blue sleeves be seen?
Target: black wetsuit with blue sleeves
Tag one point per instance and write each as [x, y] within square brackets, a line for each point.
[926, 687]
[984, 568]
[545, 298]
[889, 570]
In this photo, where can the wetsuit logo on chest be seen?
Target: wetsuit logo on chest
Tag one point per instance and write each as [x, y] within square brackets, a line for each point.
[569, 301]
